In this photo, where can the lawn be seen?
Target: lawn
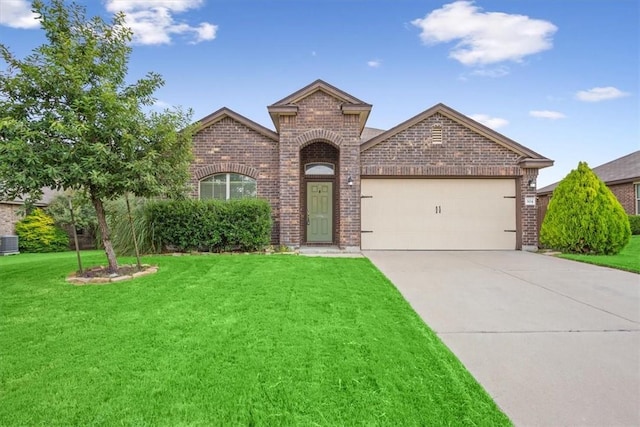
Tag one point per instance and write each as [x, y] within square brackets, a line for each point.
[224, 340]
[628, 259]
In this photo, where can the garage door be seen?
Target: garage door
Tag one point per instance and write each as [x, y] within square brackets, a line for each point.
[438, 214]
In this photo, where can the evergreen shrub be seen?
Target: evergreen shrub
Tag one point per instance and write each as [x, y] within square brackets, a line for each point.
[584, 216]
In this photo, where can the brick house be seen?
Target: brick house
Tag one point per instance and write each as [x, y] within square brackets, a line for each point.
[621, 175]
[436, 181]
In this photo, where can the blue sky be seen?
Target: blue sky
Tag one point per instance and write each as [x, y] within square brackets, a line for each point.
[560, 77]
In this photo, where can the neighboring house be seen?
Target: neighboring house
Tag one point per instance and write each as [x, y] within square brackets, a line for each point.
[10, 211]
[621, 175]
[439, 180]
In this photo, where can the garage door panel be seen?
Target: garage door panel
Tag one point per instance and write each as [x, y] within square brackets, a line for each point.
[438, 214]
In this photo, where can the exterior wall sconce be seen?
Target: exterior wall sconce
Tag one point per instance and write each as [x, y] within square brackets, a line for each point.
[532, 183]
[349, 181]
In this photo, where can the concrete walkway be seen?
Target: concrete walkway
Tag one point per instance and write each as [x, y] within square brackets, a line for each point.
[554, 342]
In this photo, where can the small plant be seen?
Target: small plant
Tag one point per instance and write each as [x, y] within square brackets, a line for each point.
[37, 233]
[584, 216]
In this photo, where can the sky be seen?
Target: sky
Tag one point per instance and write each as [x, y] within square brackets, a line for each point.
[559, 77]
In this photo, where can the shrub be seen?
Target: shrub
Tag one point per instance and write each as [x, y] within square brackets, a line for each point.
[584, 216]
[37, 233]
[211, 225]
[634, 222]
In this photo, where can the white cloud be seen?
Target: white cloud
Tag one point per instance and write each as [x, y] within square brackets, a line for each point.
[152, 21]
[597, 94]
[485, 37]
[492, 122]
[374, 63]
[491, 72]
[546, 114]
[17, 14]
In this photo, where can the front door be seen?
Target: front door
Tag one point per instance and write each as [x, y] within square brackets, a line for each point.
[319, 212]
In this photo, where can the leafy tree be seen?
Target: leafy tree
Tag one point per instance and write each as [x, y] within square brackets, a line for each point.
[584, 216]
[70, 120]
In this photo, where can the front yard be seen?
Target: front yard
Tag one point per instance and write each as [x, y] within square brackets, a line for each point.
[224, 340]
[628, 259]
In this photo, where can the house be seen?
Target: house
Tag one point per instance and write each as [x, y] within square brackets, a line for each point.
[621, 175]
[10, 211]
[439, 180]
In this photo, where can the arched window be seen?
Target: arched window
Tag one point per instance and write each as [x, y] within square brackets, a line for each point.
[228, 186]
[319, 169]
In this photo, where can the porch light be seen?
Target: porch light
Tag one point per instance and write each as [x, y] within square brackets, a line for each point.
[349, 181]
[532, 183]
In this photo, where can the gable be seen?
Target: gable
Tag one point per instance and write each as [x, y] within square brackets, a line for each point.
[225, 113]
[458, 130]
[338, 102]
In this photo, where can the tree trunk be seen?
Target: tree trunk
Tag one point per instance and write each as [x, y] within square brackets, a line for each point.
[75, 235]
[104, 231]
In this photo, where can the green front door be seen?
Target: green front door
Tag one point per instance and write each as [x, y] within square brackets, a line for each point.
[319, 212]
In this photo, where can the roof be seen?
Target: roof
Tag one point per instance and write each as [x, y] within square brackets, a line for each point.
[618, 171]
[529, 158]
[48, 194]
[368, 133]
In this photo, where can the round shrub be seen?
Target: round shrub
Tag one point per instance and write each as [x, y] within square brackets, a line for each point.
[584, 216]
[37, 233]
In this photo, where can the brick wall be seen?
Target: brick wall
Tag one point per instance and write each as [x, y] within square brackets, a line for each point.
[625, 193]
[461, 153]
[230, 146]
[319, 118]
[8, 218]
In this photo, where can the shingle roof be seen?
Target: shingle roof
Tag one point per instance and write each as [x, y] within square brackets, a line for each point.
[626, 168]
[368, 133]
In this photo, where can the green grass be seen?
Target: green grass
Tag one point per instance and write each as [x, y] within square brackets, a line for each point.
[628, 259]
[224, 340]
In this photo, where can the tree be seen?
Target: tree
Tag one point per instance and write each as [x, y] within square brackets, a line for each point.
[584, 216]
[70, 120]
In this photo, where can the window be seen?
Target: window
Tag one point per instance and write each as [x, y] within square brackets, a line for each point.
[228, 186]
[637, 198]
[319, 169]
[436, 134]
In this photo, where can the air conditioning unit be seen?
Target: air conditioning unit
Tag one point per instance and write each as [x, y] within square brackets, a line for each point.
[9, 245]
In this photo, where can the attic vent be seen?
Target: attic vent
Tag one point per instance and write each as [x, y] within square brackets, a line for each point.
[436, 134]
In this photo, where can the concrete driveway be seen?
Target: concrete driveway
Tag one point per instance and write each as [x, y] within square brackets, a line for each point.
[554, 342]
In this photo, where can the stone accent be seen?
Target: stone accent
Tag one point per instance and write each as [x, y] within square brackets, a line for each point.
[80, 281]
[230, 146]
[8, 218]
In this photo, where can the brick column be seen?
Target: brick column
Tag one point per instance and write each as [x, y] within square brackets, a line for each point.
[528, 214]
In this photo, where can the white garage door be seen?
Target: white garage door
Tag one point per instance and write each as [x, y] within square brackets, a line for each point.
[438, 214]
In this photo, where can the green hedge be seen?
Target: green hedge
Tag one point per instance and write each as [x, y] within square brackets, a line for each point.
[38, 233]
[634, 222]
[211, 225]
